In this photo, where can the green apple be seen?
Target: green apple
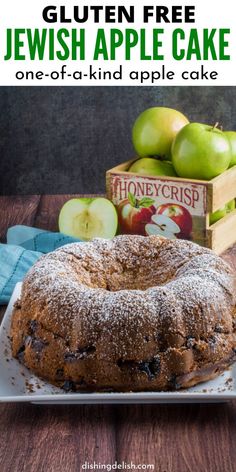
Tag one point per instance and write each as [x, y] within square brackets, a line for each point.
[217, 215]
[200, 152]
[230, 206]
[155, 129]
[87, 218]
[151, 166]
[231, 135]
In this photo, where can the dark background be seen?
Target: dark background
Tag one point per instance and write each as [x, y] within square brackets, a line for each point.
[63, 139]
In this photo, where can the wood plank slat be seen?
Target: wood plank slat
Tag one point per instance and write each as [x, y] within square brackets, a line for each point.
[223, 189]
[221, 235]
[39, 438]
[16, 210]
[186, 438]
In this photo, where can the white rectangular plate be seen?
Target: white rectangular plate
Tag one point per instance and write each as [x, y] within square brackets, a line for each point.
[18, 384]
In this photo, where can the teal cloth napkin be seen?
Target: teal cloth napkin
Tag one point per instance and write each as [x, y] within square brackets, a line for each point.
[23, 248]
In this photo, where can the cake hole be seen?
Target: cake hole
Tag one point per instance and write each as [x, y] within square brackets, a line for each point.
[191, 342]
[70, 357]
[33, 325]
[86, 351]
[20, 353]
[123, 364]
[69, 386]
[38, 344]
[81, 381]
[151, 368]
[17, 305]
[59, 374]
[219, 329]
[173, 382]
[81, 353]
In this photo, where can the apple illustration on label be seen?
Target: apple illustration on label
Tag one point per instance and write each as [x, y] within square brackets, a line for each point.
[87, 218]
[134, 214]
[179, 215]
[162, 226]
[200, 152]
[154, 131]
[152, 166]
[231, 135]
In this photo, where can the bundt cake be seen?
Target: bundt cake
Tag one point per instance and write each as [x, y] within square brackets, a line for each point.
[129, 314]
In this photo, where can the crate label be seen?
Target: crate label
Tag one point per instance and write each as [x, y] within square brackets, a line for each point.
[175, 208]
[191, 196]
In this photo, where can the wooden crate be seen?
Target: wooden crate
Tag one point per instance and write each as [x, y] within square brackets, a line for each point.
[199, 197]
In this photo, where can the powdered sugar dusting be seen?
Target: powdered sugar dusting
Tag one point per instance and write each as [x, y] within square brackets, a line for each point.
[130, 282]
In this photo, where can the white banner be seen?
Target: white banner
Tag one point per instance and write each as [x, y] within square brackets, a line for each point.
[120, 43]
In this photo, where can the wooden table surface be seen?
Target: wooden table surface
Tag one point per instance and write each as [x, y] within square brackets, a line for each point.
[175, 438]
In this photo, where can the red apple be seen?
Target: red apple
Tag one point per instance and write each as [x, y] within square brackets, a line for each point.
[179, 215]
[134, 214]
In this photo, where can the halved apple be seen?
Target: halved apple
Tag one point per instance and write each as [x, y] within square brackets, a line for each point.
[88, 218]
